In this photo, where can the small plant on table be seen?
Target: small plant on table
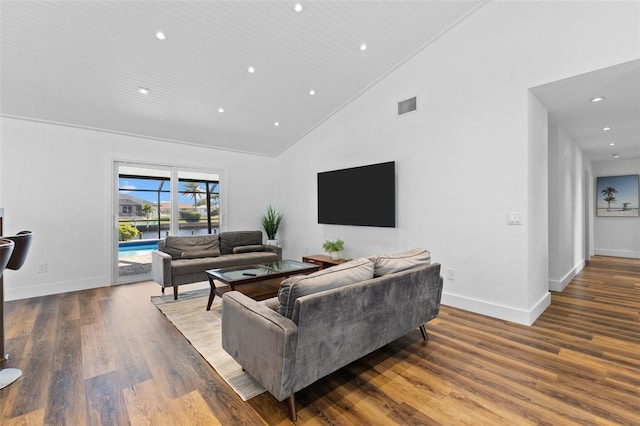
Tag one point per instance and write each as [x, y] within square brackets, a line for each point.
[334, 248]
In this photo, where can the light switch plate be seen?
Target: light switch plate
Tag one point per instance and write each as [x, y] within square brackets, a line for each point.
[514, 218]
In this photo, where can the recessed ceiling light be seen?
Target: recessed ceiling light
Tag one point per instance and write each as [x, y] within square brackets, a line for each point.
[597, 99]
[276, 124]
[363, 47]
[616, 155]
[297, 7]
[606, 129]
[312, 92]
[612, 144]
[160, 35]
[220, 110]
[251, 70]
[143, 90]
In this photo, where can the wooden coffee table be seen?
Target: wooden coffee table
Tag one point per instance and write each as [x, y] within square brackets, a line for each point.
[256, 281]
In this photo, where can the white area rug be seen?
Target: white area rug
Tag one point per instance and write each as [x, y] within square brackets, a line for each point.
[203, 330]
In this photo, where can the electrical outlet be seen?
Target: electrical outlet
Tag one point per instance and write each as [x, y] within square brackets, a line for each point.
[41, 268]
[451, 274]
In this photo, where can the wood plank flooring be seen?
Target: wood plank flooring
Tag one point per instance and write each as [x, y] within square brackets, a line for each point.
[108, 356]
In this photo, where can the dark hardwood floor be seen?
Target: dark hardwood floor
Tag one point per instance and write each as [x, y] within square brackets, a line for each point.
[108, 356]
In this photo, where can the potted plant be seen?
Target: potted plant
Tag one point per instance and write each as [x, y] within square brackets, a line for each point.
[271, 222]
[334, 248]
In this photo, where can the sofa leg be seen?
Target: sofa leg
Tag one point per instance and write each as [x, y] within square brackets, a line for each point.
[175, 292]
[423, 330]
[292, 407]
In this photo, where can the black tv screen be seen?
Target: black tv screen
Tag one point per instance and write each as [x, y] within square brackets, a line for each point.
[364, 196]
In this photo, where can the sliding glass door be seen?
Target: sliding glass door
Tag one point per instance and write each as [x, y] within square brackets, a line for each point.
[199, 206]
[153, 202]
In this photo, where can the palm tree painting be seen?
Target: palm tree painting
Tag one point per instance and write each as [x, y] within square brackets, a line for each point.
[608, 196]
[617, 196]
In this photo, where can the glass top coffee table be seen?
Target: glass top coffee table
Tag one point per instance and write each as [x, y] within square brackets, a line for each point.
[257, 281]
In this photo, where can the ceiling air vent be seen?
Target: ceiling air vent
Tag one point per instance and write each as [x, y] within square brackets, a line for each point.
[408, 105]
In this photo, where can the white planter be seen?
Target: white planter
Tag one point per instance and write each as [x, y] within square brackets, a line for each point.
[335, 255]
[272, 242]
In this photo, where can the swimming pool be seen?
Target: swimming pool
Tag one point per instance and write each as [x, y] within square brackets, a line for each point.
[136, 248]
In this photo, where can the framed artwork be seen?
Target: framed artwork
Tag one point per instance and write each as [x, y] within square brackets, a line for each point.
[617, 196]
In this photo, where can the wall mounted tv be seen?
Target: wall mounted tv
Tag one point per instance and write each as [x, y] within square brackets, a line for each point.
[363, 196]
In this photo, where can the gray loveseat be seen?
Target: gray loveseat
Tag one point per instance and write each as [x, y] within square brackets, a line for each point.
[183, 260]
[326, 320]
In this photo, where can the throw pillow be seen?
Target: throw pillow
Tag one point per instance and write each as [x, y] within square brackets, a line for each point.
[337, 276]
[176, 246]
[392, 263]
[194, 254]
[231, 239]
[248, 249]
[173, 252]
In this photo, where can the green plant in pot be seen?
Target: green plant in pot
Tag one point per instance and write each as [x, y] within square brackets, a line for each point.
[334, 248]
[271, 222]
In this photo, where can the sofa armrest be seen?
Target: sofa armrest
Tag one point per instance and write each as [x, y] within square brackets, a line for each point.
[274, 249]
[161, 268]
[261, 340]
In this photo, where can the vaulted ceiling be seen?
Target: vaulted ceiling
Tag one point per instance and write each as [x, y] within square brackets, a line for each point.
[84, 64]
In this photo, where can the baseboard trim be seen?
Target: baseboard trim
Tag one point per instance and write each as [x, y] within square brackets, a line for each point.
[506, 313]
[559, 285]
[617, 253]
[26, 292]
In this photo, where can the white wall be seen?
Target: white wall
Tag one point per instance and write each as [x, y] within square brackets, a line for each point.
[58, 182]
[616, 236]
[567, 243]
[465, 158]
[537, 210]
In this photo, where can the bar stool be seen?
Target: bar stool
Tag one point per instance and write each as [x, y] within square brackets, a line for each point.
[6, 249]
[17, 255]
[22, 242]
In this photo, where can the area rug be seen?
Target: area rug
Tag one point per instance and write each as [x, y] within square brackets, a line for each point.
[203, 330]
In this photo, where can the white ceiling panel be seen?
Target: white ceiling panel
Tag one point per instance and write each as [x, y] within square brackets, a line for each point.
[80, 63]
[569, 106]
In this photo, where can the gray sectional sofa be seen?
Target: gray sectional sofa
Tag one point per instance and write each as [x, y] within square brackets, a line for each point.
[183, 260]
[326, 320]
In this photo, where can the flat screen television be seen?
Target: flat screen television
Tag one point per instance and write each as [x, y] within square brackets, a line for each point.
[362, 196]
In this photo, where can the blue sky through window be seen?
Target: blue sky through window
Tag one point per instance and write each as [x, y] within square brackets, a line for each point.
[147, 189]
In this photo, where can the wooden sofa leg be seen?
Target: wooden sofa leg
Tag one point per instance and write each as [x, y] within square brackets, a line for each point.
[423, 330]
[292, 407]
[175, 292]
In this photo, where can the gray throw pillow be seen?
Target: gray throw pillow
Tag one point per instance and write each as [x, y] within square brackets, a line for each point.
[195, 254]
[175, 253]
[231, 239]
[392, 263]
[351, 272]
[248, 249]
[176, 246]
